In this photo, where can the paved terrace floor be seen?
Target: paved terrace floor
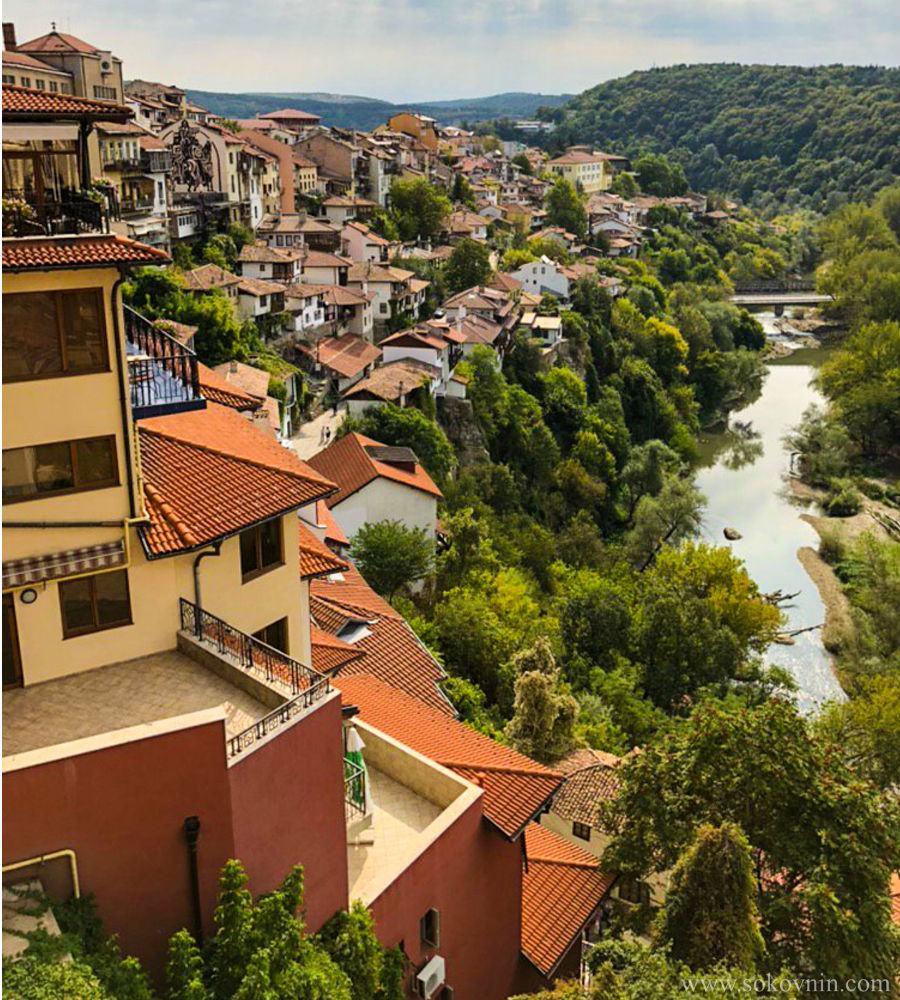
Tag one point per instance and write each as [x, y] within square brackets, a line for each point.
[400, 816]
[117, 696]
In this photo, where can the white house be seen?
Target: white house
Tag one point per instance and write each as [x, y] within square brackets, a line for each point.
[422, 345]
[377, 482]
[361, 244]
[305, 305]
[543, 277]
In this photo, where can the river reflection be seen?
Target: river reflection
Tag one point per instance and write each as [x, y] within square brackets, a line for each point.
[741, 471]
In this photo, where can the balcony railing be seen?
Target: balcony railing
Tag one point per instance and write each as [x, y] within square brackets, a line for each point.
[27, 216]
[162, 374]
[354, 791]
[252, 654]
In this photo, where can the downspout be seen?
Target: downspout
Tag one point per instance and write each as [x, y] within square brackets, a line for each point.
[214, 551]
[191, 827]
[124, 399]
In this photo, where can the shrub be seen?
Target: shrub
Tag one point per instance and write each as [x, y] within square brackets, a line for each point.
[842, 501]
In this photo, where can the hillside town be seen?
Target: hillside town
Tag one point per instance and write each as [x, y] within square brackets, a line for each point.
[215, 333]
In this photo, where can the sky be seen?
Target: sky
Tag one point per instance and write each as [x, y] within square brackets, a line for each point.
[441, 49]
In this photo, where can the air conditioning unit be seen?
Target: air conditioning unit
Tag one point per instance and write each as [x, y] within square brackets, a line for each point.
[430, 978]
[106, 62]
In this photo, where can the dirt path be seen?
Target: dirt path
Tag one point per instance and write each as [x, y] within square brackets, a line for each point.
[838, 622]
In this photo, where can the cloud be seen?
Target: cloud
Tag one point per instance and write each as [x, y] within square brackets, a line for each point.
[428, 49]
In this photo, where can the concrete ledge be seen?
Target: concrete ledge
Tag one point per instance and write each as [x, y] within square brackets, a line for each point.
[224, 667]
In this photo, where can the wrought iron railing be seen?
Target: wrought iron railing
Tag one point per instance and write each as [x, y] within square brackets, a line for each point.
[251, 654]
[24, 215]
[279, 717]
[786, 285]
[354, 791]
[163, 373]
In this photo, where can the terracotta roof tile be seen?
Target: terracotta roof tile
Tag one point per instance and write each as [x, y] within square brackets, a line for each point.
[348, 355]
[333, 532]
[515, 788]
[45, 253]
[391, 381]
[562, 886]
[348, 463]
[895, 898]
[210, 473]
[219, 390]
[316, 559]
[245, 379]
[330, 654]
[56, 41]
[27, 101]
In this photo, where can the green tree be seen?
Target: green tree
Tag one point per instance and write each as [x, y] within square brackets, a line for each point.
[667, 517]
[349, 939]
[657, 175]
[544, 713]
[469, 265]
[523, 163]
[408, 428]
[184, 969]
[565, 208]
[418, 209]
[390, 555]
[710, 914]
[32, 979]
[823, 841]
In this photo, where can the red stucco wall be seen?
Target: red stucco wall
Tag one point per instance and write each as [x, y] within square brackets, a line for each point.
[288, 800]
[472, 874]
[121, 809]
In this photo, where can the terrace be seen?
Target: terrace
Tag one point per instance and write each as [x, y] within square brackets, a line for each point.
[410, 803]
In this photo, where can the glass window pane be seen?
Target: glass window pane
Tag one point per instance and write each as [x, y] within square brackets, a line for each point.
[83, 331]
[95, 459]
[270, 539]
[77, 605]
[249, 562]
[30, 336]
[113, 606]
[53, 467]
[18, 472]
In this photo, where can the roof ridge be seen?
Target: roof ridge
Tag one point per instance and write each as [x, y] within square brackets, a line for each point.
[315, 477]
[567, 862]
[539, 771]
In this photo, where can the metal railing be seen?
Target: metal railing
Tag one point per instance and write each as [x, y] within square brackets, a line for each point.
[27, 216]
[787, 285]
[164, 372]
[279, 717]
[252, 654]
[354, 791]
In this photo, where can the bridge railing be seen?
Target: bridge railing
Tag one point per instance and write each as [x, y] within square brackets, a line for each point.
[789, 285]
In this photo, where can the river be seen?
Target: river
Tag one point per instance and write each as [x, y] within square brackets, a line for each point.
[742, 472]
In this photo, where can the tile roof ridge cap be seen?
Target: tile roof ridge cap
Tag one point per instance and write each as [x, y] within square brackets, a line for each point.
[314, 477]
[538, 771]
[566, 862]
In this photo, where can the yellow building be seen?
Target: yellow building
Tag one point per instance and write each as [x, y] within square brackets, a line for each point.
[589, 170]
[418, 126]
[94, 72]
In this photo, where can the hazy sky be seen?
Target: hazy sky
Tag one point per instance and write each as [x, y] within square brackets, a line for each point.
[433, 49]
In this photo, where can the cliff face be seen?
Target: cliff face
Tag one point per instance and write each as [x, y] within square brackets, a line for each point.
[458, 422]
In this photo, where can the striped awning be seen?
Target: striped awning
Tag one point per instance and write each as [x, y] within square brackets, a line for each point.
[38, 569]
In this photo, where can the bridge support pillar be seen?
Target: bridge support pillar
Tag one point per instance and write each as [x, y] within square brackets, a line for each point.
[779, 310]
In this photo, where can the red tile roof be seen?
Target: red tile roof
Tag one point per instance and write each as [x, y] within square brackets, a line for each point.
[210, 473]
[394, 380]
[27, 101]
[292, 113]
[316, 559]
[393, 652]
[217, 389]
[56, 41]
[562, 886]
[348, 355]
[247, 379]
[895, 898]
[40, 253]
[591, 779]
[333, 532]
[330, 654]
[348, 463]
[515, 787]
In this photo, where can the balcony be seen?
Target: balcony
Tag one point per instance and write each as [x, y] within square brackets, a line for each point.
[399, 805]
[29, 216]
[162, 373]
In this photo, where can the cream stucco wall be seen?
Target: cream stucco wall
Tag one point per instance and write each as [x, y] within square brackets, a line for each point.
[382, 500]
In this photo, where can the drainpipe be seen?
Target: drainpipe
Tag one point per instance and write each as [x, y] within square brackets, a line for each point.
[124, 396]
[214, 551]
[191, 827]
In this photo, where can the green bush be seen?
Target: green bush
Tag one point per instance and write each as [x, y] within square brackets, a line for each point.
[842, 501]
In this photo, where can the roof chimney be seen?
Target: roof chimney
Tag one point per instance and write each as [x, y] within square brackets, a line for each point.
[9, 36]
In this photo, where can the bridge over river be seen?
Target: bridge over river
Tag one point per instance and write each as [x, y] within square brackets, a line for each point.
[777, 295]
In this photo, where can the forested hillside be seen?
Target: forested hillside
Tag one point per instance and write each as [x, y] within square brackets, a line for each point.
[770, 134]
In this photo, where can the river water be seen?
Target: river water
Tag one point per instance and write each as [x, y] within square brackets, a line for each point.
[742, 472]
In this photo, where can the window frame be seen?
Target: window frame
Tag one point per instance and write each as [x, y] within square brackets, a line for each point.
[261, 570]
[57, 296]
[92, 577]
[434, 941]
[280, 623]
[73, 459]
[578, 830]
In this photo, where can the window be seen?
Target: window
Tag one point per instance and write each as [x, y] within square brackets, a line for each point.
[92, 603]
[25, 81]
[581, 830]
[54, 87]
[59, 467]
[39, 84]
[49, 334]
[12, 664]
[105, 93]
[8, 78]
[430, 929]
[274, 635]
[261, 549]
[633, 891]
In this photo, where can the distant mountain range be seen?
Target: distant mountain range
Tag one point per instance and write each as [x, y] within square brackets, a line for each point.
[353, 111]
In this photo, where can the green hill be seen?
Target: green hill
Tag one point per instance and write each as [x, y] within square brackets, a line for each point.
[787, 134]
[350, 111]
